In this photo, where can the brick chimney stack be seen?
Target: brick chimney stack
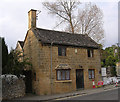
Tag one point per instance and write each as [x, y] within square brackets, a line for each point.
[32, 19]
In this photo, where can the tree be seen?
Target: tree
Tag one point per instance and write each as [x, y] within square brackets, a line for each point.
[90, 22]
[113, 71]
[4, 56]
[87, 21]
[109, 58]
[14, 66]
[110, 61]
[11, 63]
[64, 10]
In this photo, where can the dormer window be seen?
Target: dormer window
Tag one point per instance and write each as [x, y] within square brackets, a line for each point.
[90, 52]
[61, 51]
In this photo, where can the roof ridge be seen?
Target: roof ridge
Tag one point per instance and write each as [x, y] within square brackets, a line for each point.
[60, 31]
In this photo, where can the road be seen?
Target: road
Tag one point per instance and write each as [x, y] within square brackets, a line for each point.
[106, 95]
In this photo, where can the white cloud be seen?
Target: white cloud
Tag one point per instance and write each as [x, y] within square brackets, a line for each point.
[110, 11]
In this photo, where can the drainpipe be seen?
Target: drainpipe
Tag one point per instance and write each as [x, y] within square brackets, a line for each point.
[51, 68]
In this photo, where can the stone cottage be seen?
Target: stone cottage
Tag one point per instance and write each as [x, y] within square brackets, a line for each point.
[61, 62]
[19, 49]
[19, 46]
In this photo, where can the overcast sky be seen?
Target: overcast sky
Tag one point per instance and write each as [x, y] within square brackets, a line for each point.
[14, 19]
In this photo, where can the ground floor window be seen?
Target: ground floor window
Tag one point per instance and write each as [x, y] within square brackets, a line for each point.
[91, 73]
[63, 74]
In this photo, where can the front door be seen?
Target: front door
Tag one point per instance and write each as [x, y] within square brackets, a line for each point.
[79, 79]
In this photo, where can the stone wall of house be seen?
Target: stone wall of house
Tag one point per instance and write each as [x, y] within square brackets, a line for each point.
[20, 51]
[36, 54]
[40, 56]
[73, 60]
[12, 88]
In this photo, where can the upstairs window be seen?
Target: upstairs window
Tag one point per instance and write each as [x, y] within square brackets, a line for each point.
[63, 74]
[61, 51]
[90, 52]
[91, 73]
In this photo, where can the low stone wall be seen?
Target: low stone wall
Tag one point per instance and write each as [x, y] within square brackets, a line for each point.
[12, 88]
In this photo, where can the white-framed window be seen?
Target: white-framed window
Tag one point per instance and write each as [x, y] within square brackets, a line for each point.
[91, 73]
[63, 74]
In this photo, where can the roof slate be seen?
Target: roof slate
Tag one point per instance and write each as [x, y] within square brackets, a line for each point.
[64, 38]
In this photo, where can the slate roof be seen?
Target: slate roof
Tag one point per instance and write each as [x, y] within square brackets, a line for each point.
[64, 38]
[21, 43]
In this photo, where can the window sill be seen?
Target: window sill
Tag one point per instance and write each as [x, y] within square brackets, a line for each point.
[63, 81]
[92, 79]
[91, 58]
[65, 57]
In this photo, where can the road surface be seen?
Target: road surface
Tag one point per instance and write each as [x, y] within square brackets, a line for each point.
[106, 95]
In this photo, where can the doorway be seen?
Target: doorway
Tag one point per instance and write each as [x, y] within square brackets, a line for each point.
[28, 81]
[79, 79]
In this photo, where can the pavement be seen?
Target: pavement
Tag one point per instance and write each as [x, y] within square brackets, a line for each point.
[58, 96]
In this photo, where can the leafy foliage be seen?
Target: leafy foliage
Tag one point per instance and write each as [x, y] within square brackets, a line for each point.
[113, 71]
[14, 65]
[109, 57]
[11, 63]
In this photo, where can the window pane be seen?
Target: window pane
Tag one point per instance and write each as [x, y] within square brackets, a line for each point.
[88, 52]
[58, 75]
[63, 74]
[91, 52]
[67, 74]
[59, 51]
[63, 51]
[92, 73]
[89, 74]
